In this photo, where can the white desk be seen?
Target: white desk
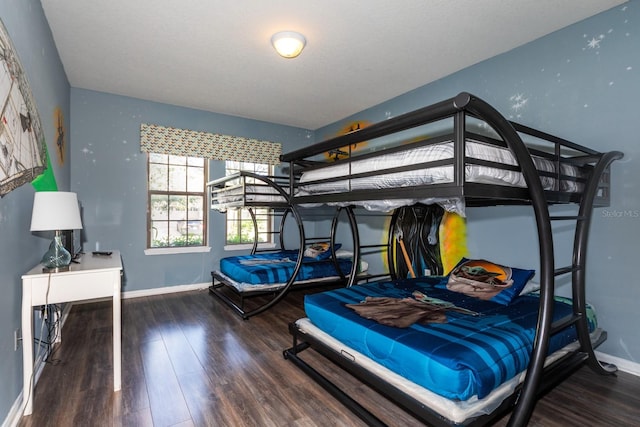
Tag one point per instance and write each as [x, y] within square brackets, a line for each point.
[94, 277]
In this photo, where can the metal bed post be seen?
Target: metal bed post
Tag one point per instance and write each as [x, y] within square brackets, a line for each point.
[585, 214]
[527, 399]
[355, 236]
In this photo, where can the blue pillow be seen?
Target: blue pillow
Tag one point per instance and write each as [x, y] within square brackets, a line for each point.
[488, 281]
[320, 251]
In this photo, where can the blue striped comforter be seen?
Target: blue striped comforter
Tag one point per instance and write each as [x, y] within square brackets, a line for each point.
[464, 357]
[277, 267]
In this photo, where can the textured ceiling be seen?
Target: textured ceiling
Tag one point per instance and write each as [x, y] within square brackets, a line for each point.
[215, 55]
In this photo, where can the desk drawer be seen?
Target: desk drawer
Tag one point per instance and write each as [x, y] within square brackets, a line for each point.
[60, 287]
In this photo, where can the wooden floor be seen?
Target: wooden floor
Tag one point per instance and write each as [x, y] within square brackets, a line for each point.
[189, 361]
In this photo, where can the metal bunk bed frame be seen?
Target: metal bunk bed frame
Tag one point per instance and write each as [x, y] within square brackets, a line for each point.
[283, 209]
[596, 193]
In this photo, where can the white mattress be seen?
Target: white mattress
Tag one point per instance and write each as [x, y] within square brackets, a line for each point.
[456, 411]
[249, 287]
[423, 176]
[249, 193]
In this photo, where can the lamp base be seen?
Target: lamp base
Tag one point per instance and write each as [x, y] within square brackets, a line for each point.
[57, 258]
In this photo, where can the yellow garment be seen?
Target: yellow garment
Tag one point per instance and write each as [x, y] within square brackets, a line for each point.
[453, 240]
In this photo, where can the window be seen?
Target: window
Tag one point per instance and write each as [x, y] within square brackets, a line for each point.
[239, 223]
[176, 205]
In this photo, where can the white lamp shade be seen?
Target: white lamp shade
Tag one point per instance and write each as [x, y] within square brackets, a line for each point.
[55, 210]
[288, 44]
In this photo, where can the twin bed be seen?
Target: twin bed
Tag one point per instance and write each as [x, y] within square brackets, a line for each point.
[470, 357]
[265, 276]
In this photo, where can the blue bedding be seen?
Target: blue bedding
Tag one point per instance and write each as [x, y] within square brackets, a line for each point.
[466, 356]
[277, 267]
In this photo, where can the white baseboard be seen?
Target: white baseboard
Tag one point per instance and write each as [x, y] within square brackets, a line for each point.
[623, 365]
[165, 290]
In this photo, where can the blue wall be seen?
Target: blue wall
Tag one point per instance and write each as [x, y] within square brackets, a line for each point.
[581, 83]
[110, 176]
[19, 249]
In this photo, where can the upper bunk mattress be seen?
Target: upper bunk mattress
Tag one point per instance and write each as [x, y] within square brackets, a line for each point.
[278, 267]
[249, 193]
[312, 182]
[466, 356]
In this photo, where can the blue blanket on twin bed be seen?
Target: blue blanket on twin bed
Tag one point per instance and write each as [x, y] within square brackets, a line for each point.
[277, 267]
[466, 356]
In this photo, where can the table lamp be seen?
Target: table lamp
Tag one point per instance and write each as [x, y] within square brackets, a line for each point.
[55, 211]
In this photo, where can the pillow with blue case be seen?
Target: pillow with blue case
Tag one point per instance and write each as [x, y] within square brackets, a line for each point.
[475, 274]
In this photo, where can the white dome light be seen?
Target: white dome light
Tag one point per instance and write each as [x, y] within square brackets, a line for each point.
[288, 44]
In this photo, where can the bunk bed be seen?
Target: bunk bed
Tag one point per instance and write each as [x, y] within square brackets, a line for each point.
[266, 275]
[456, 153]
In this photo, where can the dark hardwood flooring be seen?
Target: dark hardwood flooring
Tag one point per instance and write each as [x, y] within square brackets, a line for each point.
[189, 361]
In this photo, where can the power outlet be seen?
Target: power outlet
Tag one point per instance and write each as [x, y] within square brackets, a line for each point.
[17, 338]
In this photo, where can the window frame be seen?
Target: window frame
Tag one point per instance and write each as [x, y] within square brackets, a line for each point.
[168, 192]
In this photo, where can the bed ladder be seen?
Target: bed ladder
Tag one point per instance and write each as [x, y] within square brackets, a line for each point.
[536, 381]
[578, 267]
[545, 379]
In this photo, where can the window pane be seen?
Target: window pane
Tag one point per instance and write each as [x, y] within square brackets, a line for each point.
[246, 232]
[195, 181]
[177, 160]
[262, 169]
[232, 167]
[232, 236]
[158, 158]
[195, 161]
[158, 177]
[177, 178]
[159, 233]
[159, 207]
[177, 207]
[195, 207]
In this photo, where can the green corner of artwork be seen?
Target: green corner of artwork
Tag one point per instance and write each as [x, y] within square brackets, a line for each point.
[46, 181]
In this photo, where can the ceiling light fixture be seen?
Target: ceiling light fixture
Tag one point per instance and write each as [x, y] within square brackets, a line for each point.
[288, 44]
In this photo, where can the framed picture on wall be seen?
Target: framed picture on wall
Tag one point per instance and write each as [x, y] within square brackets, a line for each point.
[22, 144]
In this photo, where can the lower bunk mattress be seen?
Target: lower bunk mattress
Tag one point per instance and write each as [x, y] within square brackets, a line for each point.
[473, 353]
[275, 268]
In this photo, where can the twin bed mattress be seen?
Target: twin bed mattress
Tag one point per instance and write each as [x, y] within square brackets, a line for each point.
[321, 180]
[275, 268]
[465, 358]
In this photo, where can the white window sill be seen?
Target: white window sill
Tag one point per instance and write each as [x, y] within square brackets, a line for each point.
[248, 246]
[177, 250]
